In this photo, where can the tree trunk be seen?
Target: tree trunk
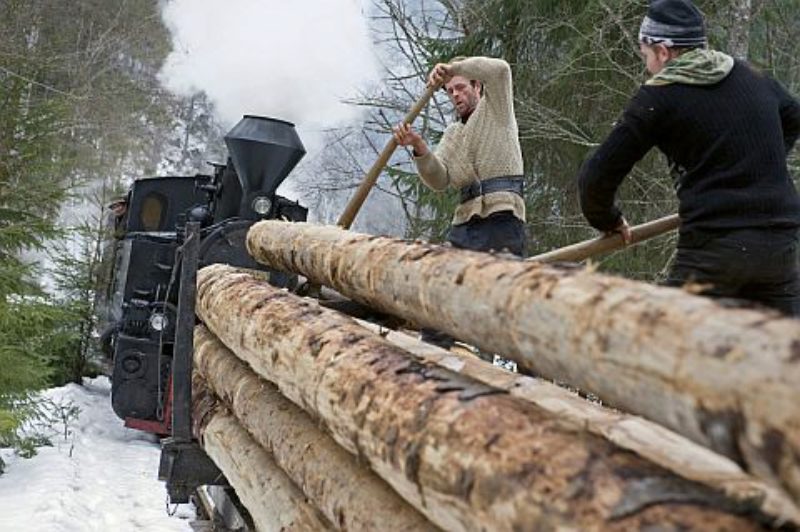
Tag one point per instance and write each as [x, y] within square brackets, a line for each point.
[739, 32]
[272, 500]
[725, 378]
[467, 455]
[346, 492]
[645, 438]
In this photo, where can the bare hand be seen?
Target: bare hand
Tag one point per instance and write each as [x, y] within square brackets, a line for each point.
[624, 230]
[405, 135]
[441, 74]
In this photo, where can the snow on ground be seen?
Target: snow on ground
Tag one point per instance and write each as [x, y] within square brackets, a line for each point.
[101, 477]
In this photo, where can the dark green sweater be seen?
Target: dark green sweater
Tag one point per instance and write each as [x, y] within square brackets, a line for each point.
[726, 143]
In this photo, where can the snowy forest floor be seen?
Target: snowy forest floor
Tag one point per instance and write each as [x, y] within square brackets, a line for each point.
[101, 476]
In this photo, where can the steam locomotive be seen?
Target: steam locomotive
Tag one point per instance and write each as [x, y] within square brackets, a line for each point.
[149, 255]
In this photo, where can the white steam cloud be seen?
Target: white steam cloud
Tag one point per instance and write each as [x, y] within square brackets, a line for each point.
[289, 59]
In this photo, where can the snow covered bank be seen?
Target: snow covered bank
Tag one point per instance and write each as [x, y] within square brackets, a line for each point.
[102, 476]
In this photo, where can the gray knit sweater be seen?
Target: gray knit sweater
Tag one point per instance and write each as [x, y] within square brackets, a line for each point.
[486, 146]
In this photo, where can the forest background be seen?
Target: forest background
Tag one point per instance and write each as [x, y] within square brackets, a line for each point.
[82, 113]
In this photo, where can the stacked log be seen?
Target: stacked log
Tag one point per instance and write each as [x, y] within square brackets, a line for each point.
[725, 378]
[273, 501]
[345, 491]
[466, 455]
[645, 438]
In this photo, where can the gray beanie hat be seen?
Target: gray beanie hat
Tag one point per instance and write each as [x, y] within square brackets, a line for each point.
[673, 23]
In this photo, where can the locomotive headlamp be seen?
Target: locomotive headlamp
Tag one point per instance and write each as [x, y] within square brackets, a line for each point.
[262, 205]
[158, 322]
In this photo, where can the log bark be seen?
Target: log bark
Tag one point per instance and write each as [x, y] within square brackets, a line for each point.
[350, 495]
[725, 378]
[271, 499]
[649, 440]
[466, 455]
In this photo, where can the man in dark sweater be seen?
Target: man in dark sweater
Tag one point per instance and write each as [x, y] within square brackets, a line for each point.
[726, 130]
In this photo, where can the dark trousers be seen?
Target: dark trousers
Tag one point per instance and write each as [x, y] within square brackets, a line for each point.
[758, 265]
[500, 231]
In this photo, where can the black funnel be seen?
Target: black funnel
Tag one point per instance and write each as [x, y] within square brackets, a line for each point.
[264, 151]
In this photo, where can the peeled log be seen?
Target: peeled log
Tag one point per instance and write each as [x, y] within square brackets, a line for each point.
[725, 378]
[467, 455]
[655, 443]
[346, 492]
[271, 499]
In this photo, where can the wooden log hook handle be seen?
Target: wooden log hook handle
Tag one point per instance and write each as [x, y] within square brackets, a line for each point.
[604, 244]
[371, 177]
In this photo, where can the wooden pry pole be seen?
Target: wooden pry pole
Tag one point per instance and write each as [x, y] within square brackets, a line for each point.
[350, 212]
[605, 244]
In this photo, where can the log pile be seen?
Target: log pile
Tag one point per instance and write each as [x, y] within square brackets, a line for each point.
[346, 492]
[273, 501]
[647, 439]
[465, 454]
[726, 378]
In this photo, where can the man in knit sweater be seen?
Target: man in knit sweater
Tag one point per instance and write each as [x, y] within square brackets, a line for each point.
[479, 155]
[726, 130]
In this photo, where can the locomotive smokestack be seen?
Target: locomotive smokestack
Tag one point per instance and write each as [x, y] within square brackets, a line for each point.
[264, 151]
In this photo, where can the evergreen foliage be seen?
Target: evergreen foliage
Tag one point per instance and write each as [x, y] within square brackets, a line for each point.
[77, 275]
[81, 112]
[30, 196]
[575, 65]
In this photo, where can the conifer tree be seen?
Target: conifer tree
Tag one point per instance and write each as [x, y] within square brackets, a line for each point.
[575, 65]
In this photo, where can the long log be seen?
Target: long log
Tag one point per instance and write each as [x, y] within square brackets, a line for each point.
[725, 378]
[272, 500]
[649, 440]
[346, 492]
[466, 455]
